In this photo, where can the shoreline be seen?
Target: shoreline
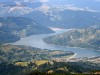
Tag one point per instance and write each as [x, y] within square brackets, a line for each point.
[70, 47]
[54, 46]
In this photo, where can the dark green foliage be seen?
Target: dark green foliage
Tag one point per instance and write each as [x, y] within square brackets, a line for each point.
[13, 53]
[76, 68]
[8, 37]
[13, 28]
[11, 56]
[82, 67]
[10, 69]
[41, 73]
[84, 38]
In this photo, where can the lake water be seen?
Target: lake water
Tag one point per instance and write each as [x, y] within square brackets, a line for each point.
[36, 41]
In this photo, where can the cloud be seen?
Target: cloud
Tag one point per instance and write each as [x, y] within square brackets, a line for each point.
[44, 8]
[74, 8]
[32, 1]
[43, 1]
[81, 9]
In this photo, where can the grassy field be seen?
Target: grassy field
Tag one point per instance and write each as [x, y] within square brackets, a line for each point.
[41, 62]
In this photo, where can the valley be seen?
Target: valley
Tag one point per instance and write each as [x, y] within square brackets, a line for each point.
[47, 60]
[49, 37]
[32, 41]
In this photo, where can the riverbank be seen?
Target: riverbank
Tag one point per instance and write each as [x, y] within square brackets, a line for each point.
[37, 41]
[71, 47]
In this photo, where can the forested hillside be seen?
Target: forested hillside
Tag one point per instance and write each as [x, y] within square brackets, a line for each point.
[14, 28]
[83, 38]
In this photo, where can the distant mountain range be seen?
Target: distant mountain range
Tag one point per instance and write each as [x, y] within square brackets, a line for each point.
[62, 16]
[13, 10]
[65, 18]
[83, 38]
[14, 28]
[91, 4]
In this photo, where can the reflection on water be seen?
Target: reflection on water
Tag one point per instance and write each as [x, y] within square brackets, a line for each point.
[36, 41]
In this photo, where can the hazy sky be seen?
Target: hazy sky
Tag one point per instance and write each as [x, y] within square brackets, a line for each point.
[92, 4]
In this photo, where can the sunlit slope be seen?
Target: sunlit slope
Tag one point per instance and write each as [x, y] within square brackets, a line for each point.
[84, 38]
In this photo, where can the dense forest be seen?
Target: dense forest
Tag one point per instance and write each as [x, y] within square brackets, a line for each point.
[26, 60]
[14, 28]
[48, 68]
[83, 38]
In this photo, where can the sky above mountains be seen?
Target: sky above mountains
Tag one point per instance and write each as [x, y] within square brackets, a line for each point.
[87, 4]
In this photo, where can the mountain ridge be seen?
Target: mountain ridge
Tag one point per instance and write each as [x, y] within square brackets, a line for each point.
[18, 27]
[83, 38]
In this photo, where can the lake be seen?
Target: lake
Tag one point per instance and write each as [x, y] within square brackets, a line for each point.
[36, 41]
